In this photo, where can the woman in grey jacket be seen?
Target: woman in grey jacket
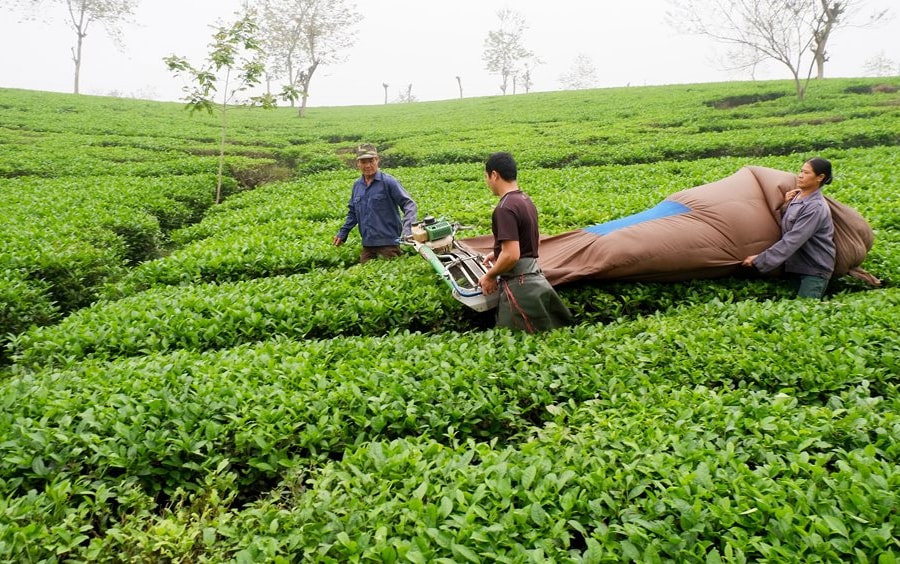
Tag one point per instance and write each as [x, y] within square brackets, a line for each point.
[806, 247]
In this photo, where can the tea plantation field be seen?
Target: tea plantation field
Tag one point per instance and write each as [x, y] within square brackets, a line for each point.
[188, 382]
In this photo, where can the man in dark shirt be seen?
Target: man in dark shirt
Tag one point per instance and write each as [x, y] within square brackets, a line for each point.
[374, 205]
[527, 301]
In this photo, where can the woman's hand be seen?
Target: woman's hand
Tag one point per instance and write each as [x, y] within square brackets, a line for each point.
[790, 195]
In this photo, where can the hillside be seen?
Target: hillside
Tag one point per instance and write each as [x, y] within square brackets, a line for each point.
[190, 381]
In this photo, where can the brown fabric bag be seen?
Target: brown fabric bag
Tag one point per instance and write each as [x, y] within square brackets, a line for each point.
[723, 222]
[853, 239]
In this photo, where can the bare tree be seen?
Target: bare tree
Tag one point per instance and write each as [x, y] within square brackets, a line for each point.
[881, 65]
[406, 97]
[794, 33]
[581, 75]
[301, 35]
[523, 78]
[504, 51]
[80, 16]
[835, 14]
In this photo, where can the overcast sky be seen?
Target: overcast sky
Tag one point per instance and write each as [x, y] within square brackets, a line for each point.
[402, 42]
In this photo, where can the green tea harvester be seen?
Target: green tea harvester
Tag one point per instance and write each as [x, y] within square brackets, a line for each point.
[457, 266]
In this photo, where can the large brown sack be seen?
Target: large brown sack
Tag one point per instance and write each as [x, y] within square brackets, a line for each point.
[701, 232]
[853, 239]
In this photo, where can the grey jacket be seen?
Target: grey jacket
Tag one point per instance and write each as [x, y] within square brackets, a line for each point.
[807, 239]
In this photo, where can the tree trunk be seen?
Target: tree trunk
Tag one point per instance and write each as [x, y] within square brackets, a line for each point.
[302, 111]
[819, 56]
[799, 85]
[291, 78]
[76, 58]
[222, 140]
[306, 79]
[831, 15]
[80, 33]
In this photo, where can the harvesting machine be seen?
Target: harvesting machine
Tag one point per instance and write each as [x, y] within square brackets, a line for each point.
[459, 267]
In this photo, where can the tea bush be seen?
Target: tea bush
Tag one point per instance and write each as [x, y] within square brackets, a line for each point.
[189, 382]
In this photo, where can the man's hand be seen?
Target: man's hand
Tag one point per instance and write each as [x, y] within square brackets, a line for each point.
[488, 284]
[497, 265]
[749, 260]
[338, 241]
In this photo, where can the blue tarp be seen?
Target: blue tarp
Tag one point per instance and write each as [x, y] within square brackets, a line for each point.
[665, 208]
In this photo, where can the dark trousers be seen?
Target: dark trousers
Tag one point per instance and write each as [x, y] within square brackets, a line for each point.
[528, 302]
[390, 251]
[809, 286]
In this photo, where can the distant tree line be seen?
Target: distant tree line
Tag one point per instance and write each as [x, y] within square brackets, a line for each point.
[293, 39]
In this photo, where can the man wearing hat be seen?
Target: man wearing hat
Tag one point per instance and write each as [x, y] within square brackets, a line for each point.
[375, 204]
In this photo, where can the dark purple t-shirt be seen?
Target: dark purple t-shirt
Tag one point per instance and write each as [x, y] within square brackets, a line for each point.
[515, 219]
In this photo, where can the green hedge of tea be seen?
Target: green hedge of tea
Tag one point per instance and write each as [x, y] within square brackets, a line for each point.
[679, 435]
[188, 382]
